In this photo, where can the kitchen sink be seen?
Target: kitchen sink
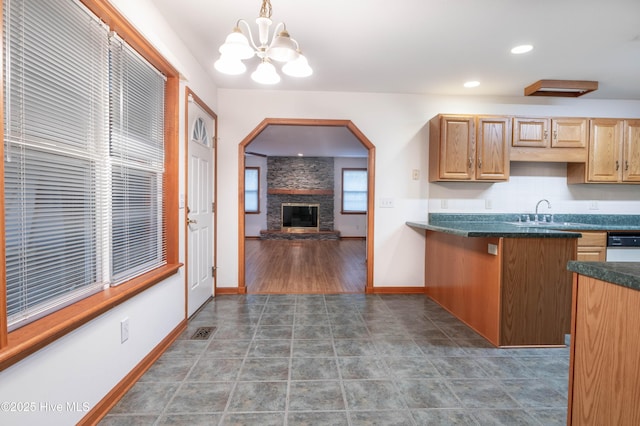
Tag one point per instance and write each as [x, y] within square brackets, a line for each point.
[572, 225]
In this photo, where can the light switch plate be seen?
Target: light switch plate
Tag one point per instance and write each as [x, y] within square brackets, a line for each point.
[386, 203]
[124, 330]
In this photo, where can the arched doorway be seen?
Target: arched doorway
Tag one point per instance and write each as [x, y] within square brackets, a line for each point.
[370, 188]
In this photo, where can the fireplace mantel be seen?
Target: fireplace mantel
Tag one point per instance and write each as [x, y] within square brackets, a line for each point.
[275, 191]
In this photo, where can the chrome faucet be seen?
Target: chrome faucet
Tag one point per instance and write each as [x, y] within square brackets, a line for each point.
[538, 205]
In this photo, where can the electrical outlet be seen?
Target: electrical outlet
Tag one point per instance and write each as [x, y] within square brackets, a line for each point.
[386, 203]
[488, 204]
[593, 205]
[444, 203]
[415, 174]
[124, 330]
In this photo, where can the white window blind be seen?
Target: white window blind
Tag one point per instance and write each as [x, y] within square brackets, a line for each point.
[56, 57]
[251, 188]
[354, 190]
[137, 155]
[84, 158]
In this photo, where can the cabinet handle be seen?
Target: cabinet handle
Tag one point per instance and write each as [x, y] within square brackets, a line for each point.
[617, 165]
[470, 163]
[626, 165]
[479, 163]
[555, 135]
[546, 134]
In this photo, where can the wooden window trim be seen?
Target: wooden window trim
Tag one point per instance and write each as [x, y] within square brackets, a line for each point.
[258, 169]
[342, 210]
[26, 340]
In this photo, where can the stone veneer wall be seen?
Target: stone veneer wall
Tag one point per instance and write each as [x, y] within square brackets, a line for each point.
[300, 173]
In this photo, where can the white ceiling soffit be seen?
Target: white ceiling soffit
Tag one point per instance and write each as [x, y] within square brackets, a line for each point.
[431, 46]
[310, 141]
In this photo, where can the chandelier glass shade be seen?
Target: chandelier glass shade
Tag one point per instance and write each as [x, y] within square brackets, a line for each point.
[238, 47]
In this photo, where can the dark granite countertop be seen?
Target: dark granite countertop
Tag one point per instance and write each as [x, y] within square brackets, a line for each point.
[507, 225]
[492, 229]
[625, 274]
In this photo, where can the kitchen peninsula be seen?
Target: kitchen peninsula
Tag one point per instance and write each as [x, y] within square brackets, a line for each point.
[508, 279]
[509, 283]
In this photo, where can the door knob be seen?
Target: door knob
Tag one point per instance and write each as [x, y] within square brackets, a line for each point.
[190, 221]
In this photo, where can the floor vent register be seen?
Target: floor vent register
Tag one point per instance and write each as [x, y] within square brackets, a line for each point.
[202, 333]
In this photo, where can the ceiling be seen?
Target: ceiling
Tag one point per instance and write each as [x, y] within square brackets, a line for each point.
[317, 141]
[431, 46]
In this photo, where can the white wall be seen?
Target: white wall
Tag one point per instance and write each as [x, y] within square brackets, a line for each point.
[83, 366]
[397, 126]
[349, 225]
[529, 183]
[394, 123]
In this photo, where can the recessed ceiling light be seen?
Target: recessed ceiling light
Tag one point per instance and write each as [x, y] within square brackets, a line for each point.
[472, 84]
[523, 48]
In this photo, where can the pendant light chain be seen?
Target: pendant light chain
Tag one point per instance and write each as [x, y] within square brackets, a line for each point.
[265, 10]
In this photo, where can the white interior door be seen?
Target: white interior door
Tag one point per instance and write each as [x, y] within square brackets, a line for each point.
[200, 212]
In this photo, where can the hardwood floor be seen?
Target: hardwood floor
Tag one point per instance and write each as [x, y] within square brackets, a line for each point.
[305, 266]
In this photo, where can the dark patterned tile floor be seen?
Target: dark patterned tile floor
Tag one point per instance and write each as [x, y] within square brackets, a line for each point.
[348, 359]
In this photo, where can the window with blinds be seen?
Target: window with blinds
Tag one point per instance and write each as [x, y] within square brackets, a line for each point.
[137, 162]
[354, 190]
[252, 190]
[83, 158]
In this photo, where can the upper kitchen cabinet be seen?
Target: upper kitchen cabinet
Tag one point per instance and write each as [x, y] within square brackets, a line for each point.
[614, 153]
[469, 148]
[631, 151]
[549, 139]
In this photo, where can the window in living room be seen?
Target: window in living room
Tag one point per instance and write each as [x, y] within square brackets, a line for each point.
[252, 190]
[354, 191]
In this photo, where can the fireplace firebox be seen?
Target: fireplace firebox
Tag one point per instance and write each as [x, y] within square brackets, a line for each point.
[300, 217]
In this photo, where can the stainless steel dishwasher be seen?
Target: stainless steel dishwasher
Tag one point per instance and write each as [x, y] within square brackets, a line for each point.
[623, 246]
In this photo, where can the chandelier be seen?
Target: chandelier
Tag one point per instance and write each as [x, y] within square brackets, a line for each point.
[282, 48]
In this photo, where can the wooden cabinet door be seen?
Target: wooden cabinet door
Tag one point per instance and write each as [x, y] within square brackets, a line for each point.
[605, 355]
[591, 254]
[605, 145]
[631, 151]
[494, 138]
[569, 132]
[531, 132]
[457, 147]
[592, 247]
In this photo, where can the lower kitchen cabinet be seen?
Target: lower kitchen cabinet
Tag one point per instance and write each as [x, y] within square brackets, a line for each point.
[604, 371]
[592, 247]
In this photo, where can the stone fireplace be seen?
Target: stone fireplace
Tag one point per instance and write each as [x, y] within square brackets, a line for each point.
[300, 180]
